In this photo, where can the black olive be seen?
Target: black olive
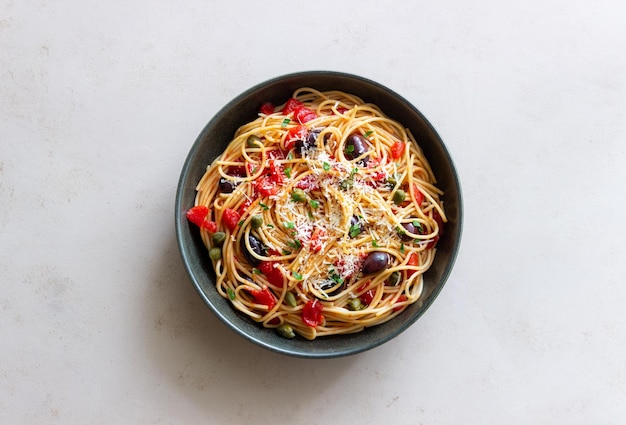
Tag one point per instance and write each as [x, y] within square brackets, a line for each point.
[304, 145]
[376, 261]
[227, 186]
[356, 145]
[257, 246]
[409, 227]
[331, 287]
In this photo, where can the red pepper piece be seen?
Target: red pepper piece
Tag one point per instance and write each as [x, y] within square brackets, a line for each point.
[419, 196]
[198, 216]
[312, 313]
[230, 218]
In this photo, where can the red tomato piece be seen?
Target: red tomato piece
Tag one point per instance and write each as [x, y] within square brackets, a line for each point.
[272, 273]
[304, 114]
[439, 221]
[402, 298]
[276, 154]
[367, 297]
[308, 183]
[265, 186]
[198, 216]
[414, 260]
[230, 219]
[277, 174]
[291, 105]
[419, 196]
[312, 313]
[244, 206]
[397, 150]
[267, 108]
[263, 297]
[294, 134]
[316, 239]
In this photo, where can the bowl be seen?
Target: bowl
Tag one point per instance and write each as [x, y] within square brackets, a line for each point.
[216, 135]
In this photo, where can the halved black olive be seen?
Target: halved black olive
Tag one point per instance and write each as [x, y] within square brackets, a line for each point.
[257, 246]
[227, 186]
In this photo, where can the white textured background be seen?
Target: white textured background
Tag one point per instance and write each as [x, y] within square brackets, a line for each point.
[99, 105]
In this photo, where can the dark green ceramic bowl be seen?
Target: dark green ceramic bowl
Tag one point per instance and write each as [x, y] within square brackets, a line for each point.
[215, 137]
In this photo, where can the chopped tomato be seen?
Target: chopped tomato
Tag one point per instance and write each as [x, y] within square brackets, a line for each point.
[265, 186]
[277, 173]
[291, 105]
[419, 196]
[402, 298]
[397, 150]
[263, 297]
[309, 182]
[316, 239]
[230, 218]
[198, 216]
[304, 114]
[379, 175]
[342, 110]
[294, 134]
[271, 272]
[367, 296]
[276, 154]
[414, 260]
[267, 108]
[312, 313]
[244, 206]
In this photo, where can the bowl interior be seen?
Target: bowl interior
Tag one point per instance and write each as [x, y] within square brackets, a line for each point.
[219, 132]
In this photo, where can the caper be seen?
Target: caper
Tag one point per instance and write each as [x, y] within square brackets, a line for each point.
[286, 331]
[355, 304]
[215, 253]
[290, 299]
[253, 141]
[218, 238]
[399, 196]
[298, 195]
[256, 221]
[394, 278]
[392, 181]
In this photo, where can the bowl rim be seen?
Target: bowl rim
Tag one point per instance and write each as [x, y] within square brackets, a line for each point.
[180, 220]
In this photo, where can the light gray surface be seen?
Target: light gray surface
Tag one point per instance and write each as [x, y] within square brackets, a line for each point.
[99, 105]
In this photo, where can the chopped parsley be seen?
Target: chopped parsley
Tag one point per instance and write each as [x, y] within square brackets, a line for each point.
[265, 207]
[289, 225]
[375, 243]
[297, 275]
[288, 172]
[313, 203]
[231, 294]
[326, 166]
[355, 230]
[285, 122]
[368, 133]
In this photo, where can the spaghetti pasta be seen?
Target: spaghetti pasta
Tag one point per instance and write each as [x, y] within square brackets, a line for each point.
[320, 216]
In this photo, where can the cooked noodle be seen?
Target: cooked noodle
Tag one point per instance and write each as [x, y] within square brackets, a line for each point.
[309, 213]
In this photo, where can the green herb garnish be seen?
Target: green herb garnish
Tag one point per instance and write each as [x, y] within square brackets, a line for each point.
[231, 294]
[326, 166]
[285, 122]
[297, 275]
